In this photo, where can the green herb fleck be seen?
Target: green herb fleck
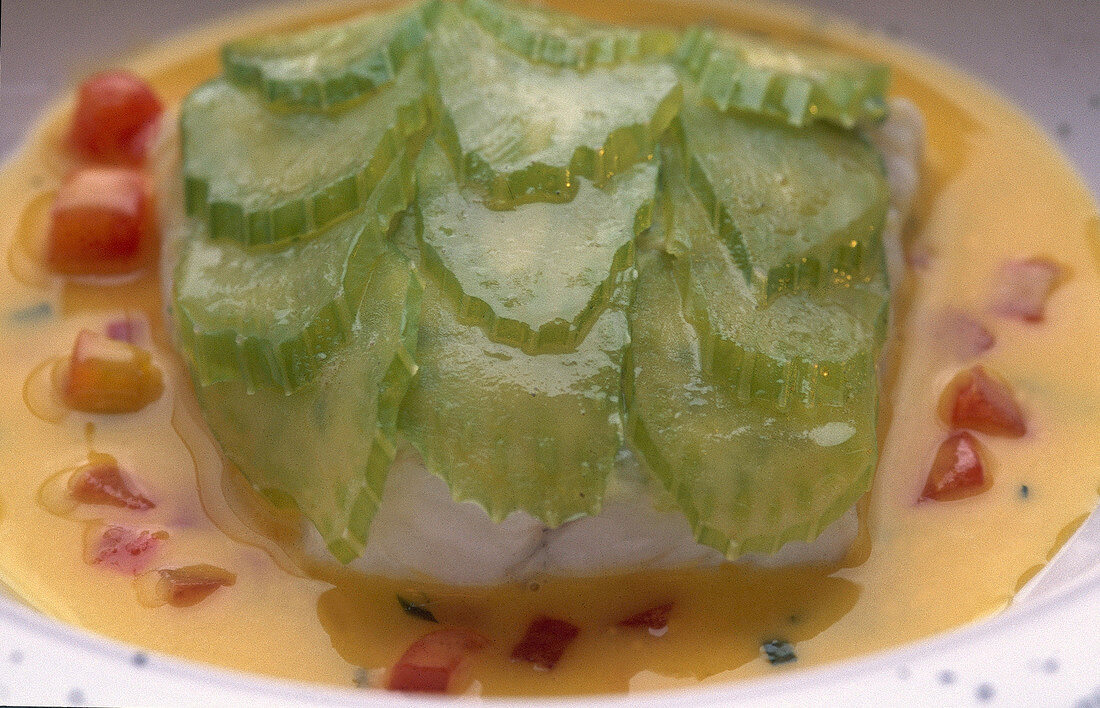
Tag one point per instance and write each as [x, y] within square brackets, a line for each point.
[417, 608]
[28, 315]
[778, 651]
[1024, 491]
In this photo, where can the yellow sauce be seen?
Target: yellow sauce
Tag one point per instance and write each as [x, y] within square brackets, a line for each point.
[993, 189]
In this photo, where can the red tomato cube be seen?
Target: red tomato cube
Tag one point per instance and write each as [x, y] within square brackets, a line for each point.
[103, 222]
[545, 641]
[108, 376]
[115, 118]
[977, 400]
[654, 619]
[431, 663]
[957, 470]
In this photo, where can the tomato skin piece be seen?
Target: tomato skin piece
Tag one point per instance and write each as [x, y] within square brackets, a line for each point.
[655, 618]
[123, 549]
[108, 376]
[115, 117]
[1023, 287]
[957, 470]
[961, 334]
[104, 483]
[129, 328]
[103, 222]
[545, 641]
[430, 663]
[978, 400]
[191, 584]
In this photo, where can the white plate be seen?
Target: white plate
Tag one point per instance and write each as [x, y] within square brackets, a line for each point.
[1046, 650]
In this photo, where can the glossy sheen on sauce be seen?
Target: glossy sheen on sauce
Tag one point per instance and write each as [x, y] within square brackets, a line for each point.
[994, 189]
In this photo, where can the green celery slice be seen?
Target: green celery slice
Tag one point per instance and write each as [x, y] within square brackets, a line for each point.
[324, 68]
[535, 277]
[272, 319]
[740, 72]
[328, 446]
[513, 431]
[749, 477]
[264, 178]
[560, 39]
[526, 131]
[791, 204]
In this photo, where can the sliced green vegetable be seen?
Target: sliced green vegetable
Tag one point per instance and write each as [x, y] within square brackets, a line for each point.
[513, 431]
[740, 72]
[535, 277]
[807, 346]
[272, 319]
[264, 178]
[560, 39]
[792, 205]
[749, 476]
[328, 445]
[323, 68]
[526, 131]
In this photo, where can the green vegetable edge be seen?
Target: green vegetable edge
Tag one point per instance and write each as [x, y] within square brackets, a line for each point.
[302, 217]
[608, 44]
[244, 65]
[733, 82]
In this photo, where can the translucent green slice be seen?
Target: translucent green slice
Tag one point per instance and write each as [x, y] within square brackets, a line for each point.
[526, 131]
[781, 197]
[513, 431]
[748, 477]
[328, 445]
[272, 319]
[264, 178]
[324, 68]
[545, 36]
[535, 277]
[741, 72]
[805, 346]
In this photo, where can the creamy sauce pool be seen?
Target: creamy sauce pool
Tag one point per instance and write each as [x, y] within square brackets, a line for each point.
[993, 189]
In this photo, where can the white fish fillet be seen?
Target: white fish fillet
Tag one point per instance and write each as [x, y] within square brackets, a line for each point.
[420, 532]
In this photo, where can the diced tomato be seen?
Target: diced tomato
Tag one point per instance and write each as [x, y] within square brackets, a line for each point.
[962, 334]
[102, 223]
[124, 549]
[957, 470]
[102, 482]
[654, 619]
[431, 663]
[1023, 287]
[115, 117]
[545, 641]
[189, 585]
[978, 400]
[108, 376]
